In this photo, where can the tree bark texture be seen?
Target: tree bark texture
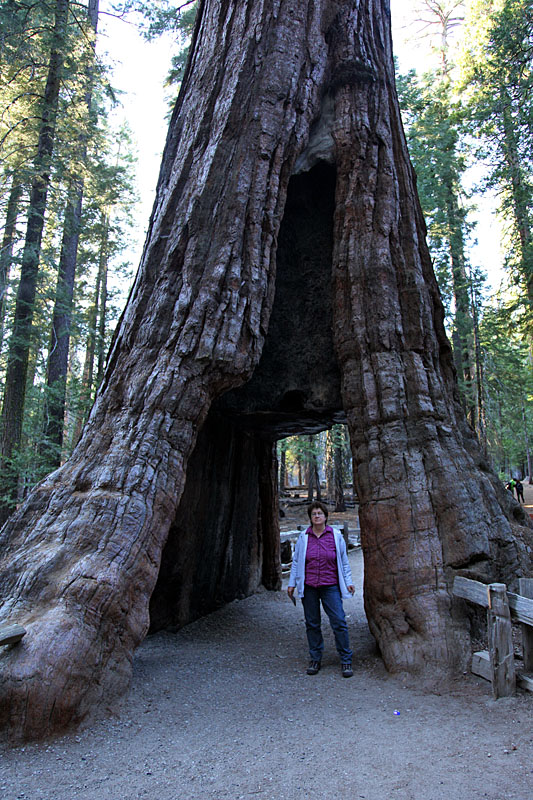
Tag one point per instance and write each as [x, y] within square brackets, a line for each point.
[272, 89]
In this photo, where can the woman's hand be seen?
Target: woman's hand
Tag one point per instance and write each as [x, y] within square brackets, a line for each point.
[290, 591]
[351, 589]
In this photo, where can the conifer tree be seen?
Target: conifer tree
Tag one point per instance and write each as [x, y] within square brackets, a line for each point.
[497, 72]
[435, 131]
[60, 334]
[15, 387]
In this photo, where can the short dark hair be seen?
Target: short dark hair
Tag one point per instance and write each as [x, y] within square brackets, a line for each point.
[316, 504]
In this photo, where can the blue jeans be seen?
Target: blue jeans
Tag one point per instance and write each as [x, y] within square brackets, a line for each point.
[332, 603]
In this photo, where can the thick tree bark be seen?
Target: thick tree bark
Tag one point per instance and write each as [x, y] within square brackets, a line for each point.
[270, 90]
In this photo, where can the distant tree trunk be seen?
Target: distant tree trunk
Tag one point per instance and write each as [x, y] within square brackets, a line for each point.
[328, 467]
[481, 414]
[464, 357]
[526, 441]
[88, 364]
[340, 504]
[283, 469]
[8, 243]
[519, 191]
[309, 479]
[57, 367]
[15, 386]
[56, 377]
[268, 91]
[317, 478]
[334, 469]
[102, 305]
[311, 471]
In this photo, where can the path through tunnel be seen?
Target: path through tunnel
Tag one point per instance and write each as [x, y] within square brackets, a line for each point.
[224, 541]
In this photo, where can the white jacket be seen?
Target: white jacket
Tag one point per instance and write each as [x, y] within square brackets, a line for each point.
[297, 576]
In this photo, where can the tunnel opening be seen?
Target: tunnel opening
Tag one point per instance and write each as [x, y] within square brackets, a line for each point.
[225, 539]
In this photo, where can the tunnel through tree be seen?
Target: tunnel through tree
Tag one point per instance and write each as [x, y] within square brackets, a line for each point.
[285, 285]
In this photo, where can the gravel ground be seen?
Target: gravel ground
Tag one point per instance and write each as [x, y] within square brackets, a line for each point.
[224, 709]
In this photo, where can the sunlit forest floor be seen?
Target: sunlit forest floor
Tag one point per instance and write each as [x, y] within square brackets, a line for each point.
[295, 510]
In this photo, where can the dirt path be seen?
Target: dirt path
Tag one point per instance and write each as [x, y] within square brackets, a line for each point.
[223, 709]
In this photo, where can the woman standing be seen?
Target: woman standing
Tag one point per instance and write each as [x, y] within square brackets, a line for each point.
[321, 573]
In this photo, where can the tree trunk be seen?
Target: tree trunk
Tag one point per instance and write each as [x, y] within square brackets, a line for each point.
[270, 90]
[480, 384]
[328, 467]
[57, 366]
[14, 394]
[520, 193]
[340, 504]
[283, 469]
[8, 242]
[88, 364]
[102, 305]
[311, 471]
[526, 442]
[464, 358]
[56, 378]
[317, 478]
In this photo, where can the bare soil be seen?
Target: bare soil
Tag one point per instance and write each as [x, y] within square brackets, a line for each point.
[224, 709]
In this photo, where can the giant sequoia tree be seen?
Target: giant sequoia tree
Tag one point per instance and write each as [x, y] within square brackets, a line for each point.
[285, 285]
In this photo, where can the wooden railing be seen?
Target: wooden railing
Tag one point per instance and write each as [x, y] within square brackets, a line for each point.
[497, 664]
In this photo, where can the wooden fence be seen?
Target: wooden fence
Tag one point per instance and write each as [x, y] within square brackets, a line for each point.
[497, 664]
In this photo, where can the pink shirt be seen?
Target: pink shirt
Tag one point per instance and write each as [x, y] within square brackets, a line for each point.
[321, 559]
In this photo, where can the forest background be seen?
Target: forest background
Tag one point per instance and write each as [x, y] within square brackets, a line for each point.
[70, 237]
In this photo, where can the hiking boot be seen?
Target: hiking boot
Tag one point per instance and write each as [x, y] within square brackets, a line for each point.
[313, 667]
[347, 670]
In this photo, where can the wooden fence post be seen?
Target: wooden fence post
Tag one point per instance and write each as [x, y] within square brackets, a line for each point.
[345, 531]
[500, 637]
[526, 590]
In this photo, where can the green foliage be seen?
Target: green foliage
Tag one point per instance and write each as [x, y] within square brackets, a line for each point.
[508, 386]
[435, 129]
[479, 114]
[497, 88]
[89, 153]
